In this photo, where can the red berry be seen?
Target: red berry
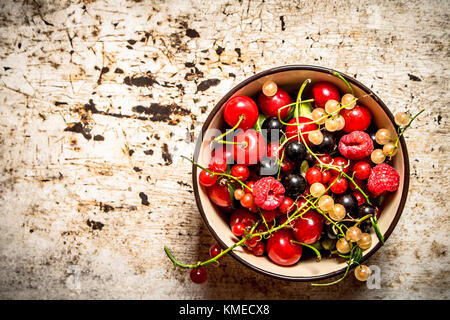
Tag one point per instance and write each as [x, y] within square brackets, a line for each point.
[356, 119]
[326, 176]
[249, 184]
[305, 125]
[198, 275]
[313, 175]
[207, 179]
[218, 164]
[240, 171]
[269, 215]
[219, 195]
[252, 242]
[273, 150]
[342, 163]
[259, 249]
[238, 229]
[383, 178]
[250, 147]
[237, 106]
[270, 105]
[287, 206]
[268, 193]
[308, 227]
[325, 158]
[214, 250]
[356, 145]
[324, 91]
[247, 200]
[242, 216]
[281, 250]
[287, 166]
[339, 185]
[359, 197]
[362, 170]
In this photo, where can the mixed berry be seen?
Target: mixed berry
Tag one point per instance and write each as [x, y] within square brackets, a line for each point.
[301, 177]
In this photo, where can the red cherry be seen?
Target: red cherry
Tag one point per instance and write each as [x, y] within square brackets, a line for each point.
[250, 147]
[270, 105]
[287, 206]
[218, 164]
[302, 204]
[238, 229]
[356, 119]
[308, 227]
[242, 216]
[326, 176]
[198, 275]
[273, 150]
[313, 175]
[214, 250]
[339, 185]
[219, 195]
[325, 158]
[240, 171]
[224, 151]
[281, 250]
[362, 170]
[287, 165]
[359, 197]
[259, 249]
[324, 91]
[207, 179]
[237, 106]
[305, 126]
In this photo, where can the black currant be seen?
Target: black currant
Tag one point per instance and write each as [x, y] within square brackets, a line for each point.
[365, 209]
[295, 151]
[328, 144]
[294, 184]
[350, 203]
[274, 124]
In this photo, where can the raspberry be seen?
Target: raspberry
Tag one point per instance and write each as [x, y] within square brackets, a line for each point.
[383, 178]
[356, 145]
[268, 193]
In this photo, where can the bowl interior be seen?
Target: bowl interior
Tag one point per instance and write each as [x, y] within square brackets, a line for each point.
[217, 222]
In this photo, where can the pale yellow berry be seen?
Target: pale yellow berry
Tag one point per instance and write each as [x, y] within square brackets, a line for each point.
[402, 119]
[331, 106]
[348, 101]
[343, 246]
[377, 156]
[365, 242]
[326, 203]
[338, 213]
[340, 123]
[353, 234]
[362, 272]
[331, 125]
[317, 114]
[316, 137]
[317, 189]
[383, 136]
[389, 149]
[269, 88]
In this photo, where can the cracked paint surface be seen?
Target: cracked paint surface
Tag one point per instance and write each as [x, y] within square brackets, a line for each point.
[100, 98]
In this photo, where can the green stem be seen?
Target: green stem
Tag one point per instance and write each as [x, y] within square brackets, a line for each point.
[241, 117]
[346, 82]
[319, 257]
[406, 127]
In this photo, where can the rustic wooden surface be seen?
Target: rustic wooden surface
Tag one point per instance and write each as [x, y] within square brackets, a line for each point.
[100, 98]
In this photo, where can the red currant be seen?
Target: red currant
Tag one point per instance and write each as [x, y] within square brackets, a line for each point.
[259, 249]
[247, 200]
[359, 197]
[326, 176]
[207, 179]
[362, 170]
[325, 158]
[287, 166]
[313, 175]
[339, 185]
[249, 184]
[240, 171]
[238, 229]
[242, 216]
[252, 242]
[214, 250]
[218, 164]
[198, 275]
[342, 163]
[287, 206]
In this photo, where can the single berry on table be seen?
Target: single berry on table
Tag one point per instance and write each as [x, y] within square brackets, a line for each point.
[362, 272]
[214, 250]
[198, 275]
[401, 119]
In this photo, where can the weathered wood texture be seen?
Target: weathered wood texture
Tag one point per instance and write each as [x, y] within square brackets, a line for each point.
[99, 99]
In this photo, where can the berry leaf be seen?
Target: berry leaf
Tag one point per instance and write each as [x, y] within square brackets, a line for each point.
[259, 122]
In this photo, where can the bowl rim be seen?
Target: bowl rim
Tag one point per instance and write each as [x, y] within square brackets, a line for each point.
[292, 68]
